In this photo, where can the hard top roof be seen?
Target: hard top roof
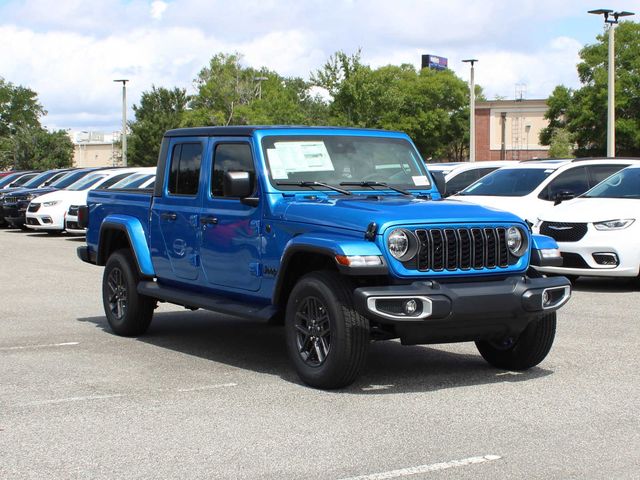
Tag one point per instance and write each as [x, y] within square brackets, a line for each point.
[248, 130]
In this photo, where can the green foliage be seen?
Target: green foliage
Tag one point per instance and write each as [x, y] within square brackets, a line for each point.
[561, 145]
[36, 148]
[160, 109]
[583, 112]
[431, 106]
[23, 142]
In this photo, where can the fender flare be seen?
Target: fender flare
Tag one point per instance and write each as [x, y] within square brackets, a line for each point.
[329, 246]
[133, 230]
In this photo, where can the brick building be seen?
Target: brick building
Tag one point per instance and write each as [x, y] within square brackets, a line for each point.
[510, 129]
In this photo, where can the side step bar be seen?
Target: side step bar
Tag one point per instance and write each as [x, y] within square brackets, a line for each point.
[207, 301]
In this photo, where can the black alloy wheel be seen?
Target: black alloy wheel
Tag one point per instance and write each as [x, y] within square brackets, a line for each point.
[313, 327]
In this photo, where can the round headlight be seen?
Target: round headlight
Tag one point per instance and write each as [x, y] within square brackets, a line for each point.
[398, 243]
[515, 241]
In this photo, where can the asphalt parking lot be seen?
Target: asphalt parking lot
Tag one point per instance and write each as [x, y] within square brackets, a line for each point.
[208, 396]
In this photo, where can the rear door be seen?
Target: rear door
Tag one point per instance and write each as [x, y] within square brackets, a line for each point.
[231, 240]
[175, 214]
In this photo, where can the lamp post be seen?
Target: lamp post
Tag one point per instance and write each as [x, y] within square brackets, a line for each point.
[472, 111]
[124, 120]
[611, 18]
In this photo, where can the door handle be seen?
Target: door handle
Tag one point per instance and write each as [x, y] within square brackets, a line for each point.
[169, 216]
[208, 220]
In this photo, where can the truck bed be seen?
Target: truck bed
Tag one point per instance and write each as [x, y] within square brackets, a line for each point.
[130, 202]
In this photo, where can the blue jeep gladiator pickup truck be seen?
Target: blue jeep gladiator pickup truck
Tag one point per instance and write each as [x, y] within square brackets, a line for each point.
[341, 234]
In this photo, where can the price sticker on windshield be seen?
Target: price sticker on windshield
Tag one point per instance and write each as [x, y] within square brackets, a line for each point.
[420, 181]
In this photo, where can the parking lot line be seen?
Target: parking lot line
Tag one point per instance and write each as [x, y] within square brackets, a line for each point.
[71, 399]
[207, 387]
[48, 345]
[434, 467]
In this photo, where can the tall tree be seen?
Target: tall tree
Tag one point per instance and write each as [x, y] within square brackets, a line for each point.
[160, 109]
[583, 112]
[19, 108]
[431, 106]
[36, 148]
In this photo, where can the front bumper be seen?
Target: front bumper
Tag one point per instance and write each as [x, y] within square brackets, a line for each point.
[15, 214]
[463, 311]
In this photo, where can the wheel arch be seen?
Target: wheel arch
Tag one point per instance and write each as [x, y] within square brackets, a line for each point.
[125, 232]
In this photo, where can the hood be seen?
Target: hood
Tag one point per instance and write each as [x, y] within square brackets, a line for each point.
[69, 197]
[355, 213]
[588, 210]
[32, 191]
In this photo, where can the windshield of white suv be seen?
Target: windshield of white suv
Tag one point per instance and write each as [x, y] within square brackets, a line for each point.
[87, 182]
[69, 179]
[342, 160]
[508, 182]
[624, 184]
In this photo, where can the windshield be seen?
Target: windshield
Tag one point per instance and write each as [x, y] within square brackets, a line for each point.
[133, 181]
[8, 179]
[337, 159]
[87, 182]
[68, 179]
[508, 182]
[39, 179]
[22, 180]
[624, 184]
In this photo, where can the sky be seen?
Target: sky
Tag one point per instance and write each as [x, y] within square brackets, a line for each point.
[70, 51]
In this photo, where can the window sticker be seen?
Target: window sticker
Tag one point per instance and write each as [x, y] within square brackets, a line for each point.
[420, 181]
[292, 157]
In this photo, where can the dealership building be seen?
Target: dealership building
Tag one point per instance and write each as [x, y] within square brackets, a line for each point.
[96, 149]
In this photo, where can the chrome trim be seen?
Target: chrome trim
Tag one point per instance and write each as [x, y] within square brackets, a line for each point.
[564, 299]
[427, 307]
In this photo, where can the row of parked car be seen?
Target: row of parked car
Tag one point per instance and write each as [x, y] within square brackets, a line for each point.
[589, 206]
[49, 201]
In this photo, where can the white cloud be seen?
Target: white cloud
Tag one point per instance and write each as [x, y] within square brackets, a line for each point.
[71, 53]
[158, 8]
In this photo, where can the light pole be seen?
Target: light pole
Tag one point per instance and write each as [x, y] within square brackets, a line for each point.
[472, 111]
[259, 87]
[611, 18]
[124, 120]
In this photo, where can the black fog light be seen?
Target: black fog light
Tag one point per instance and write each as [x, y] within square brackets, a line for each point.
[606, 259]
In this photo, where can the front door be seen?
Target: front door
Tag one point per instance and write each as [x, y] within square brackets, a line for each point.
[230, 230]
[175, 215]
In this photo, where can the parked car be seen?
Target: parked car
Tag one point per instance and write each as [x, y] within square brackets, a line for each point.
[10, 183]
[598, 232]
[339, 232]
[459, 175]
[530, 188]
[47, 212]
[14, 205]
[145, 179]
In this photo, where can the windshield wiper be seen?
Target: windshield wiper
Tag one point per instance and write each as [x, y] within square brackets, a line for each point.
[305, 183]
[376, 184]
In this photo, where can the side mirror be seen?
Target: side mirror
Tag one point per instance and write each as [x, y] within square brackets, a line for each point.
[238, 185]
[563, 196]
[441, 183]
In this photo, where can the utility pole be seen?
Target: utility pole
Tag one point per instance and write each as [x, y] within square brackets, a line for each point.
[472, 111]
[124, 120]
[611, 18]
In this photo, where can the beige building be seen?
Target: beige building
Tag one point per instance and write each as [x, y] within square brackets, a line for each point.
[510, 129]
[96, 149]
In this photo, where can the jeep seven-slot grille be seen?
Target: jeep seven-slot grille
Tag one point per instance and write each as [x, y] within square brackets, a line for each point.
[462, 249]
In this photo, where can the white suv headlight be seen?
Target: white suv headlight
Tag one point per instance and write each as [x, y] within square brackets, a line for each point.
[51, 203]
[614, 224]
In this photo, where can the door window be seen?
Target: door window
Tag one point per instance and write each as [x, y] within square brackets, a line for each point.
[231, 157]
[574, 180]
[184, 172]
[600, 172]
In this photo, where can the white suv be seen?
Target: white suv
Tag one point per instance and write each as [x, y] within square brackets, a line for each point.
[47, 212]
[530, 188]
[459, 175]
[598, 232]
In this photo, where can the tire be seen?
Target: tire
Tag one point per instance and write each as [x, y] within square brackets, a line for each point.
[525, 351]
[342, 334]
[128, 313]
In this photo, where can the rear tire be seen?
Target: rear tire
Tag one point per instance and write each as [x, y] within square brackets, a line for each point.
[128, 313]
[327, 339]
[524, 351]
